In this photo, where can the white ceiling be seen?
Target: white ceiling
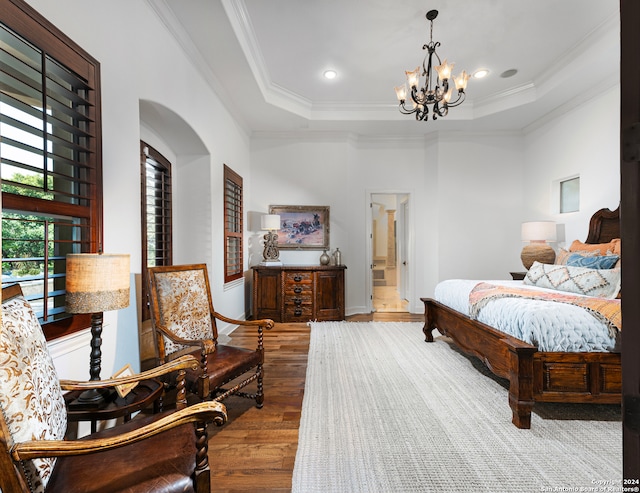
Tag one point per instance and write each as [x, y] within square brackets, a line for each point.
[266, 59]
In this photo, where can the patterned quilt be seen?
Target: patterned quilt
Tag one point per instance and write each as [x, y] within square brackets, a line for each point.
[606, 310]
[548, 325]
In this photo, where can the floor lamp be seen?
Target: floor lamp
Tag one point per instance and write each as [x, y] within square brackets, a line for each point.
[96, 283]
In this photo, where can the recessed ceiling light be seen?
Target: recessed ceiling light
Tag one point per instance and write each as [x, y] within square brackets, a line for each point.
[330, 74]
[480, 73]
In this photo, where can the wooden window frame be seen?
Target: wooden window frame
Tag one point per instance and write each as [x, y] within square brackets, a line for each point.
[166, 219]
[26, 22]
[233, 224]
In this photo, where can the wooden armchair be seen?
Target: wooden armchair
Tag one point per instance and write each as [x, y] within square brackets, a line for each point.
[166, 452]
[184, 322]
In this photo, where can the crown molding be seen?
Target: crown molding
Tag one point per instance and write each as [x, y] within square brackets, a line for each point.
[526, 93]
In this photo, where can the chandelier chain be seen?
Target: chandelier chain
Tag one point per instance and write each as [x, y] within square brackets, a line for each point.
[431, 32]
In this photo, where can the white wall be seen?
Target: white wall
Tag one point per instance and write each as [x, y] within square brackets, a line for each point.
[584, 142]
[480, 204]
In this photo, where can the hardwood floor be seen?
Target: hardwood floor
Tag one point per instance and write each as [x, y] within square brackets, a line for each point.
[255, 450]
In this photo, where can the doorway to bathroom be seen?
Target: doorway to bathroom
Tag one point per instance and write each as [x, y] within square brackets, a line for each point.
[389, 252]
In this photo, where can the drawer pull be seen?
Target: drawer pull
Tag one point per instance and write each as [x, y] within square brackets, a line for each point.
[297, 289]
[297, 301]
[297, 312]
[297, 278]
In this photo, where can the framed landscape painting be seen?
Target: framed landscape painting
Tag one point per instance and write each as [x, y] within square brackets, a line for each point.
[302, 226]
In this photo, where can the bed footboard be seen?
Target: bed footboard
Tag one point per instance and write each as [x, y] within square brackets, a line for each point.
[533, 376]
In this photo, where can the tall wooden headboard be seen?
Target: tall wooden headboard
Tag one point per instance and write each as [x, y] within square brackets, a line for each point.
[604, 226]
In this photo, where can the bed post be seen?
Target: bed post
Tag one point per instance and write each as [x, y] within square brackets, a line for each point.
[521, 383]
[429, 325]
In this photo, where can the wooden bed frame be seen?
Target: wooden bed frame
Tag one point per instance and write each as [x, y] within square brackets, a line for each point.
[536, 376]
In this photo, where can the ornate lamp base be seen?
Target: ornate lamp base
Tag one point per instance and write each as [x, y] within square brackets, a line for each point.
[271, 252]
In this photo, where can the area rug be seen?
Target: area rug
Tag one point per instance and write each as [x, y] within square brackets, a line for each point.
[384, 411]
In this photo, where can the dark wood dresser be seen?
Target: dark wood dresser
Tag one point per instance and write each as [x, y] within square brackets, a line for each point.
[298, 293]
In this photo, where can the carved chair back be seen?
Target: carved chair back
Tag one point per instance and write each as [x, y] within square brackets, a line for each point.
[181, 305]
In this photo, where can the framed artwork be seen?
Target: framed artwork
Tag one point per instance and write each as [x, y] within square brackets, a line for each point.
[126, 371]
[302, 226]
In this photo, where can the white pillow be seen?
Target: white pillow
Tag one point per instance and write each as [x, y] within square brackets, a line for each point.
[601, 283]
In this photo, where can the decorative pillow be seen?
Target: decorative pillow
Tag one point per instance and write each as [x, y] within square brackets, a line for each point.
[563, 255]
[30, 396]
[596, 262]
[601, 283]
[613, 247]
[617, 244]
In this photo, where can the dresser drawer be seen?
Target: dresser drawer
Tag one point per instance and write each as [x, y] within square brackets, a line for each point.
[302, 313]
[298, 278]
[298, 299]
[298, 291]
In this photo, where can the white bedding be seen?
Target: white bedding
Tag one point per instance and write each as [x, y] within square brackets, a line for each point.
[547, 325]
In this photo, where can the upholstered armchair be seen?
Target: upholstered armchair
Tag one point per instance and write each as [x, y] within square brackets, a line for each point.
[184, 322]
[164, 452]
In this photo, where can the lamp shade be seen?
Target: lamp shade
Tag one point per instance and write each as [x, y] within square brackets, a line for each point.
[539, 231]
[270, 222]
[97, 282]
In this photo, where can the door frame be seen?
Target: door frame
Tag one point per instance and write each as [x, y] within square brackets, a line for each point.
[403, 249]
[409, 238]
[630, 235]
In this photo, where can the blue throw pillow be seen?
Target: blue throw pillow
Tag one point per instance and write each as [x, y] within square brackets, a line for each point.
[597, 262]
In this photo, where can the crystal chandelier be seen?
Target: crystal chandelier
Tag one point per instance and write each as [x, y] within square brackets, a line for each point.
[436, 91]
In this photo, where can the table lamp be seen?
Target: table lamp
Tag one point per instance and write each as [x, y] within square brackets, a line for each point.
[270, 223]
[537, 233]
[96, 282]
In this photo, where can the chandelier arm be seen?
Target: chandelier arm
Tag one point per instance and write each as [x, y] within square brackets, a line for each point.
[461, 97]
[404, 110]
[418, 98]
[422, 114]
[440, 110]
[421, 111]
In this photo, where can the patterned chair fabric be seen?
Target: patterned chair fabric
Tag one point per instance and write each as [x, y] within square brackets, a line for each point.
[30, 395]
[184, 310]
